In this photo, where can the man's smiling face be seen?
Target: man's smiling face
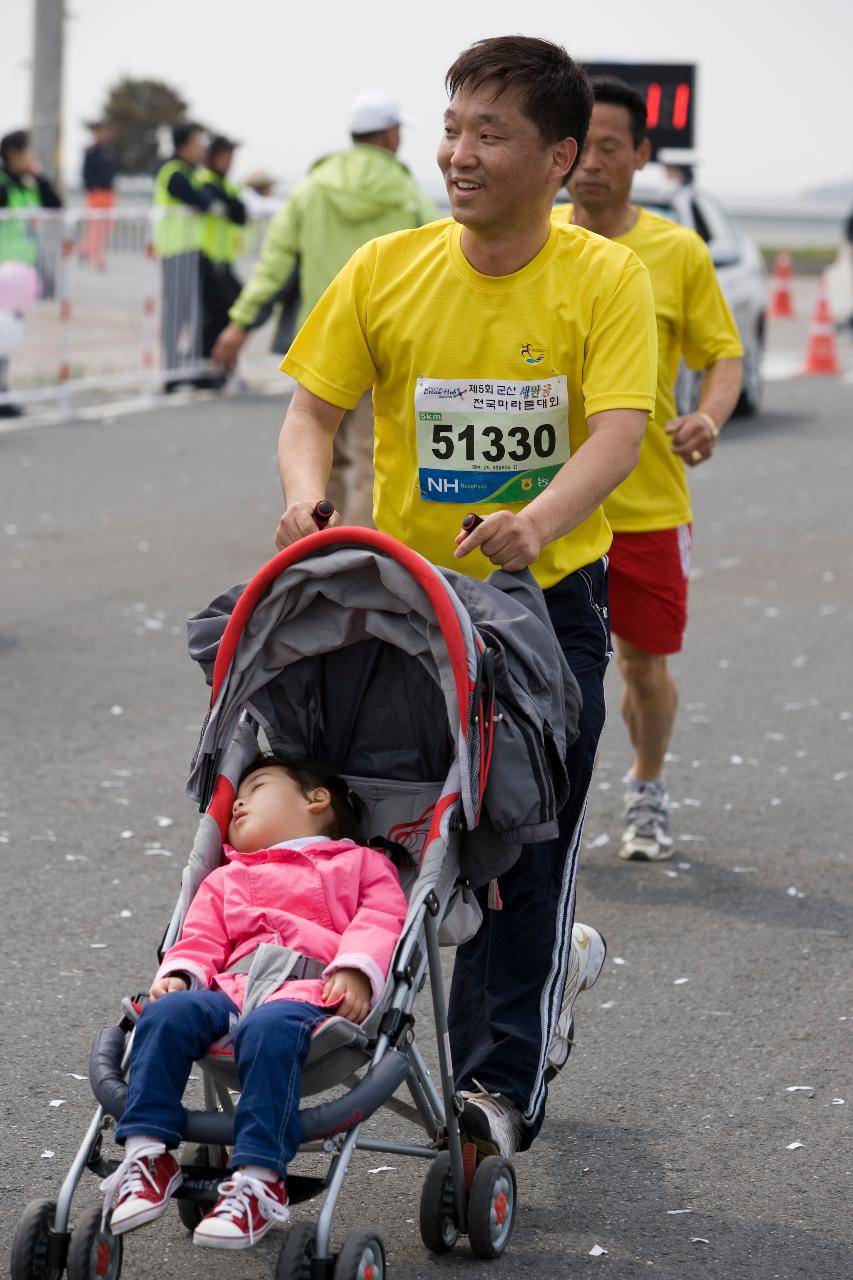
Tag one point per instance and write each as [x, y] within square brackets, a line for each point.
[495, 165]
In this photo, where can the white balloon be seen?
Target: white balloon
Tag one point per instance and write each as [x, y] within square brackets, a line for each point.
[11, 333]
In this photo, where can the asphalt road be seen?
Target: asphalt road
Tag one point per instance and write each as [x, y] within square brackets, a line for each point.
[728, 983]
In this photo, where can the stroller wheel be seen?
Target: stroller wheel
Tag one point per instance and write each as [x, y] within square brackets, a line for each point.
[439, 1231]
[29, 1248]
[191, 1212]
[491, 1207]
[362, 1257]
[94, 1253]
[297, 1252]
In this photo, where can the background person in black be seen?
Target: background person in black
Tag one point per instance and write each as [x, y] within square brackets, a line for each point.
[22, 187]
[177, 238]
[220, 245]
[99, 174]
[20, 171]
[848, 232]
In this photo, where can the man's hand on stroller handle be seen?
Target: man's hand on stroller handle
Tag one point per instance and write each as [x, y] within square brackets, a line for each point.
[509, 540]
[162, 986]
[303, 518]
[352, 988]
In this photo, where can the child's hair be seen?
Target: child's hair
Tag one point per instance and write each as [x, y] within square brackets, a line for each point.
[343, 822]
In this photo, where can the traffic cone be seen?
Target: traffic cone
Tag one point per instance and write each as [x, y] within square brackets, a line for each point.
[821, 355]
[782, 301]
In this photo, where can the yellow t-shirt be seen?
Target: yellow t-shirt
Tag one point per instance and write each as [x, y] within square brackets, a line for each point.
[693, 321]
[481, 384]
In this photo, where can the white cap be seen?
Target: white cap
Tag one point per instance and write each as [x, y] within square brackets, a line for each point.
[372, 112]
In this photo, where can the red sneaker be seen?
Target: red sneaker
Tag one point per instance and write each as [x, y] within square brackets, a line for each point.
[248, 1207]
[139, 1190]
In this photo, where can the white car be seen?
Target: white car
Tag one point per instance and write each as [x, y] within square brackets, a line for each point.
[741, 273]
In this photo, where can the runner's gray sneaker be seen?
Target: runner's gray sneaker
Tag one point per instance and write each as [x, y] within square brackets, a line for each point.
[585, 964]
[492, 1123]
[646, 837]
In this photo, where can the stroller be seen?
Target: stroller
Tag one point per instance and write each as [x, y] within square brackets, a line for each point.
[446, 704]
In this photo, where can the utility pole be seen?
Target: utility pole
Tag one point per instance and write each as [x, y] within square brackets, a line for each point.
[48, 39]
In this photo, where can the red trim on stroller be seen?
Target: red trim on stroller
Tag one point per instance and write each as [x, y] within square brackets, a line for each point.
[421, 571]
[440, 810]
[222, 803]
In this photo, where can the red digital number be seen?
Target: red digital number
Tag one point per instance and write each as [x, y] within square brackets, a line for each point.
[681, 107]
[653, 97]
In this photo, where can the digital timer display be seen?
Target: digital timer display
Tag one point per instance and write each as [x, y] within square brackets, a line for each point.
[669, 90]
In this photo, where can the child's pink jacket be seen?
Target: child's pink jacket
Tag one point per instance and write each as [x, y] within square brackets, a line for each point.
[335, 901]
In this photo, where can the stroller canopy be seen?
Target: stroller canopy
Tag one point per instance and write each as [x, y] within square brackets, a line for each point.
[351, 649]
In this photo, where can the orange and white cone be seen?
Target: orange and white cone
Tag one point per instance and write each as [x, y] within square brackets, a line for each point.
[821, 354]
[782, 300]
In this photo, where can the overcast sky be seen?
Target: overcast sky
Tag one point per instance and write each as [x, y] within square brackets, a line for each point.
[774, 88]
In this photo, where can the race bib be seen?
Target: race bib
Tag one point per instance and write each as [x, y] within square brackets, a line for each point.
[490, 441]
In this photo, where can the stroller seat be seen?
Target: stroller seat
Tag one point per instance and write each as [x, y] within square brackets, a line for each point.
[338, 1048]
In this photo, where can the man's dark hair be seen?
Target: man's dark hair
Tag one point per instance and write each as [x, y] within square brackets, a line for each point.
[555, 90]
[17, 141]
[617, 93]
[183, 131]
[220, 145]
[344, 817]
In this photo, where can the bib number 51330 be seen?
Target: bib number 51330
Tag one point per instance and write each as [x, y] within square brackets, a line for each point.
[541, 442]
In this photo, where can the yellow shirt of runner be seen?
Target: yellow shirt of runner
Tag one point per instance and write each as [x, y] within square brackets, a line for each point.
[408, 314]
[693, 321]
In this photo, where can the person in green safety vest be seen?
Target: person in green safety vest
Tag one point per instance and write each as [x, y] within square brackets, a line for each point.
[22, 187]
[179, 203]
[347, 199]
[221, 240]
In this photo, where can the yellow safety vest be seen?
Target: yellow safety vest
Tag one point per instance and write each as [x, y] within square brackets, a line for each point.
[177, 227]
[17, 239]
[221, 239]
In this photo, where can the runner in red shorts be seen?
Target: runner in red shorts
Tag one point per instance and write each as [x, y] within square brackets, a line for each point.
[650, 512]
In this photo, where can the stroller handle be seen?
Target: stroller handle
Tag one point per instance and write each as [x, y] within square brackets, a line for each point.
[322, 513]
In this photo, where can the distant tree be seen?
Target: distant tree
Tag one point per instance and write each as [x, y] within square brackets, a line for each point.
[136, 110]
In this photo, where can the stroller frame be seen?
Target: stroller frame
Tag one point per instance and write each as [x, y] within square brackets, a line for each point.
[470, 1195]
[436, 1111]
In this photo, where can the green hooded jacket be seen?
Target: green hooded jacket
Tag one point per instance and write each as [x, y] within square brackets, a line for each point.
[346, 200]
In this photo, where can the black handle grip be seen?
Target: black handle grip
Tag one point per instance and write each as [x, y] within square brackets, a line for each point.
[322, 513]
[470, 522]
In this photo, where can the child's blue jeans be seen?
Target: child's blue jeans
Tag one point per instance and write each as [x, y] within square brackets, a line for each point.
[270, 1048]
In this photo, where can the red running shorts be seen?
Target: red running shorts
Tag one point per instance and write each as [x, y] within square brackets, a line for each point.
[647, 586]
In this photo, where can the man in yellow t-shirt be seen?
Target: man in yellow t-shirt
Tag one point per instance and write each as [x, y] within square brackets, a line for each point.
[650, 511]
[513, 369]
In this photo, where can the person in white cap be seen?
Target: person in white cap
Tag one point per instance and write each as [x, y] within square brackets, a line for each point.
[347, 199]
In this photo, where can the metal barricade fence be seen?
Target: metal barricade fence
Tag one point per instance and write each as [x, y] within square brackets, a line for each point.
[110, 312]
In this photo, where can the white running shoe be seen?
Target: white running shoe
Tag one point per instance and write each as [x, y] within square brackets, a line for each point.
[492, 1123]
[585, 964]
[646, 837]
